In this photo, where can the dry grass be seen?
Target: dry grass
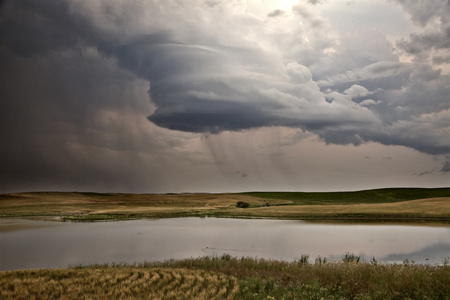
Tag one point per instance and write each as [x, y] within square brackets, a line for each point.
[117, 283]
[350, 279]
[231, 278]
[438, 208]
[91, 206]
[145, 205]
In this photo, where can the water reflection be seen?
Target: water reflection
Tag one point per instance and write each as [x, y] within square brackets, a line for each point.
[43, 244]
[433, 253]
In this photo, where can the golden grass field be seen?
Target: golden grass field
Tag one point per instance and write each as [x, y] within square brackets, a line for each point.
[116, 283]
[55, 204]
[91, 206]
[433, 208]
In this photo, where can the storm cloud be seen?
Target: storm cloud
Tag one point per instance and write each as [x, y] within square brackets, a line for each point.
[73, 73]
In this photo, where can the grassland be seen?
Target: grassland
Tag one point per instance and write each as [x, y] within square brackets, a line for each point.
[226, 277]
[382, 204]
[232, 278]
[388, 195]
[116, 283]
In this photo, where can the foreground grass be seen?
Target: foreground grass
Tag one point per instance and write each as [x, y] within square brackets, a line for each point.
[116, 283]
[269, 279]
[381, 204]
[232, 278]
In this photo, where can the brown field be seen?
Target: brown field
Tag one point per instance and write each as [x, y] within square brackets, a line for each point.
[438, 208]
[91, 206]
[145, 205]
[116, 283]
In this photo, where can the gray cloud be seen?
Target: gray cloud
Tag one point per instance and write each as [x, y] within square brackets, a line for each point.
[425, 173]
[421, 42]
[446, 167]
[69, 111]
[444, 59]
[423, 12]
[211, 3]
[314, 2]
[434, 17]
[276, 13]
[242, 174]
[206, 87]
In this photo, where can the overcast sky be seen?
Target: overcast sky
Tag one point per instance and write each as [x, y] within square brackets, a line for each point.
[224, 96]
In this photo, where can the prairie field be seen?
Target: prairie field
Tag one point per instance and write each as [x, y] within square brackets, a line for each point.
[116, 283]
[229, 277]
[226, 277]
[382, 204]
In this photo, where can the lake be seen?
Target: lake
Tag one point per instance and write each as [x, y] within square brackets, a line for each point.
[34, 243]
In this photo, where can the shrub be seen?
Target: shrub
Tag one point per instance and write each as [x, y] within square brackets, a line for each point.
[242, 204]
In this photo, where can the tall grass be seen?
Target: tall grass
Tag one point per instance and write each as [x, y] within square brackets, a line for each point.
[229, 277]
[349, 279]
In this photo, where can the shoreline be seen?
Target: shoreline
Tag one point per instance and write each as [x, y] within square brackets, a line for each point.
[440, 222]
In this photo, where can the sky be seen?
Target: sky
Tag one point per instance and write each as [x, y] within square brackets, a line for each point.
[224, 96]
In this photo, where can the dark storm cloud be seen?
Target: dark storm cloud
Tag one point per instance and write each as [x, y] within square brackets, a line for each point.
[411, 101]
[28, 28]
[63, 110]
[53, 131]
[214, 88]
[210, 88]
[204, 116]
[69, 71]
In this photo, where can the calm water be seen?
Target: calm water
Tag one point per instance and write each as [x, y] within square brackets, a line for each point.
[26, 244]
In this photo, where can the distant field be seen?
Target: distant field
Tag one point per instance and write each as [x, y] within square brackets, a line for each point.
[381, 204]
[368, 196]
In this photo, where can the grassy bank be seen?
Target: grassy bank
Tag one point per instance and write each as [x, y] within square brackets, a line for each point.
[233, 278]
[383, 204]
[389, 195]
